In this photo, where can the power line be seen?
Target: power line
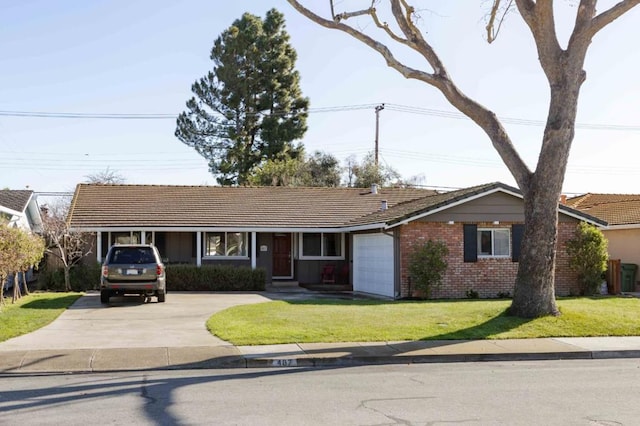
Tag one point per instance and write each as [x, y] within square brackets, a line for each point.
[407, 109]
[157, 116]
[507, 120]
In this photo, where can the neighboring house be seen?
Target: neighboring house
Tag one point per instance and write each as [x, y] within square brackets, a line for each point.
[294, 233]
[622, 213]
[20, 210]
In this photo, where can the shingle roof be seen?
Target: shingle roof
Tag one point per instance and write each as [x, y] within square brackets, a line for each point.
[97, 206]
[15, 199]
[616, 209]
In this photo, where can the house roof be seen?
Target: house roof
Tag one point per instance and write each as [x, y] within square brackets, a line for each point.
[101, 206]
[96, 206]
[410, 210]
[616, 209]
[16, 200]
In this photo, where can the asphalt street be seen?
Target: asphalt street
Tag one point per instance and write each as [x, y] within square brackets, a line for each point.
[567, 392]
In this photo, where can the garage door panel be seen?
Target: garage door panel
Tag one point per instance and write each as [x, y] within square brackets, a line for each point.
[373, 270]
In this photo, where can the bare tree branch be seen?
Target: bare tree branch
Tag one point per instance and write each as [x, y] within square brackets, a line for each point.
[440, 79]
[610, 15]
[492, 29]
[385, 27]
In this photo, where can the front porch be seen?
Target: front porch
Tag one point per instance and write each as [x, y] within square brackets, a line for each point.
[285, 256]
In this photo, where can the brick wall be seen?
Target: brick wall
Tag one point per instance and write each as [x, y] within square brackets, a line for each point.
[487, 276]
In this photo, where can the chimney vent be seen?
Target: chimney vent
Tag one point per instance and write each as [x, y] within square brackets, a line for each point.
[383, 205]
[374, 188]
[563, 199]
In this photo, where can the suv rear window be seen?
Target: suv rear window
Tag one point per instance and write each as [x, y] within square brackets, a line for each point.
[132, 255]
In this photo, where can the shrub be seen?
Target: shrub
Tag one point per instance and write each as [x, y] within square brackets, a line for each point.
[504, 295]
[82, 278]
[214, 278]
[427, 264]
[472, 294]
[588, 257]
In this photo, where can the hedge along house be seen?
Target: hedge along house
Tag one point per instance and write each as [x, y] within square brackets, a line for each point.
[294, 233]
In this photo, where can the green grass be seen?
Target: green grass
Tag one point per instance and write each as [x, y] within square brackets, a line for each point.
[367, 321]
[32, 312]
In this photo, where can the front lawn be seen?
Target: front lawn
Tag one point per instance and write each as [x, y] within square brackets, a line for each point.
[32, 312]
[374, 320]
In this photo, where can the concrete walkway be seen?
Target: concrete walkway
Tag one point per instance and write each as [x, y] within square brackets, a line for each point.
[133, 335]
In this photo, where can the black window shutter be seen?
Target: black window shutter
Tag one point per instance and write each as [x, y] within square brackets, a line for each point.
[517, 231]
[470, 243]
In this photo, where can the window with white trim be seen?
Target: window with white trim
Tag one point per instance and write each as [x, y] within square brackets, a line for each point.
[225, 244]
[321, 245]
[131, 237]
[494, 242]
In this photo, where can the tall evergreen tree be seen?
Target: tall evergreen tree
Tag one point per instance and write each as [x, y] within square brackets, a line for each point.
[249, 109]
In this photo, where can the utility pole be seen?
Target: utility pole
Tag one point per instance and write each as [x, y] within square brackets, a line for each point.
[378, 109]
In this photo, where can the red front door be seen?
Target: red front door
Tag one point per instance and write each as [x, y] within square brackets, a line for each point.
[282, 255]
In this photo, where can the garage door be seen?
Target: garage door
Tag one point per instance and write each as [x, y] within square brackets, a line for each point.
[373, 264]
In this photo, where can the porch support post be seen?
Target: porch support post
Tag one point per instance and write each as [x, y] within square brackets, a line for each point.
[254, 242]
[143, 237]
[99, 246]
[198, 248]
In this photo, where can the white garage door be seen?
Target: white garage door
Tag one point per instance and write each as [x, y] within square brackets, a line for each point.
[373, 264]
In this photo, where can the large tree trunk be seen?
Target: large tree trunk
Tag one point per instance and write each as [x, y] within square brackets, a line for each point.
[534, 292]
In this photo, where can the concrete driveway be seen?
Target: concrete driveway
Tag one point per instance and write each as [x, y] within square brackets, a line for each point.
[128, 322]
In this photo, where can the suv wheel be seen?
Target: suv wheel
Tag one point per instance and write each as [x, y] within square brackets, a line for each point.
[161, 296]
[104, 296]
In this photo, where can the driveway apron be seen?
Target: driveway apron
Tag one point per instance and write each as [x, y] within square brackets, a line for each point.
[130, 322]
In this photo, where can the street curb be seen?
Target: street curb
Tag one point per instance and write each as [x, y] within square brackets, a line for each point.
[241, 362]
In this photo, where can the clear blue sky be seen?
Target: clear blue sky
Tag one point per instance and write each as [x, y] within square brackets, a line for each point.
[139, 57]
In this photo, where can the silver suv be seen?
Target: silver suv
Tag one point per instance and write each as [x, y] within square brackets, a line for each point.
[133, 269]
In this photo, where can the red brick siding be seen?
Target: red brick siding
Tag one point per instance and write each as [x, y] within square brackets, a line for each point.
[487, 276]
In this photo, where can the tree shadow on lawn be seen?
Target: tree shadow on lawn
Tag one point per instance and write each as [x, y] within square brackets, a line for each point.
[494, 326]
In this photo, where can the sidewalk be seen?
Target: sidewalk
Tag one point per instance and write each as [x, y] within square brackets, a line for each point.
[133, 335]
[313, 354]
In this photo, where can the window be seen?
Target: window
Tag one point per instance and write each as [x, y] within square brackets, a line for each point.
[494, 242]
[225, 244]
[322, 244]
[133, 237]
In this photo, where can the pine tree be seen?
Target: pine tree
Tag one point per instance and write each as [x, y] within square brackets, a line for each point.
[249, 109]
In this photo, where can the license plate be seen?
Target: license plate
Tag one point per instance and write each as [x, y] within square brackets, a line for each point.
[132, 272]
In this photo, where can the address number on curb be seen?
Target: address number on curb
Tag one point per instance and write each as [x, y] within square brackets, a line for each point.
[285, 363]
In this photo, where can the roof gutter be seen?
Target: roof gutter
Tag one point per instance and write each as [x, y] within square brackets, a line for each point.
[226, 228]
[621, 227]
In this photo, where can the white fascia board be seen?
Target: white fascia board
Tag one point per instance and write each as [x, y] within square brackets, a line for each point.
[10, 211]
[581, 218]
[620, 227]
[372, 226]
[221, 229]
